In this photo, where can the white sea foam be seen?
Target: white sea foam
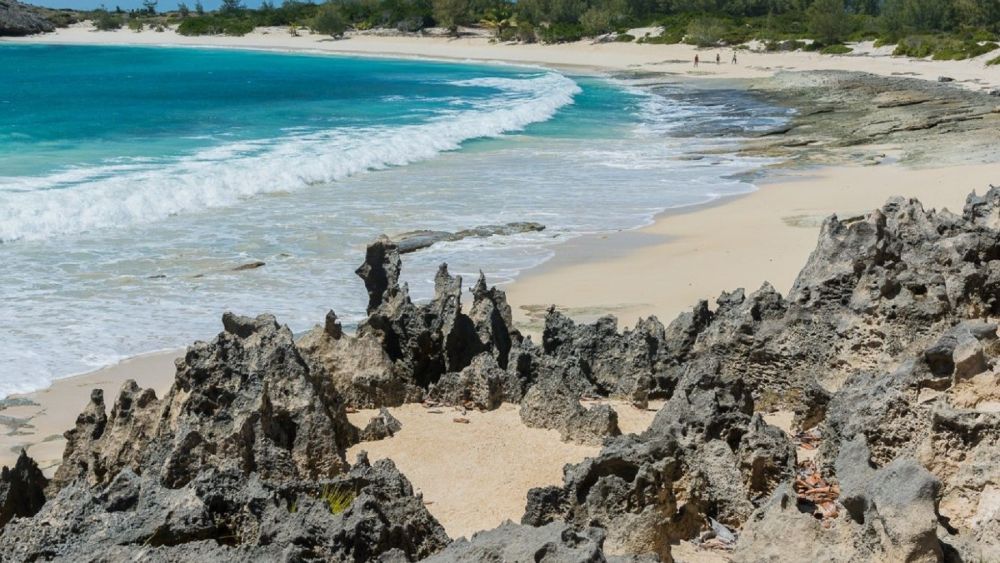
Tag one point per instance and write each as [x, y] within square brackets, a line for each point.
[122, 194]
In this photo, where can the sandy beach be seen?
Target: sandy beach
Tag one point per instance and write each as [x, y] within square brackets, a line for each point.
[661, 269]
[667, 59]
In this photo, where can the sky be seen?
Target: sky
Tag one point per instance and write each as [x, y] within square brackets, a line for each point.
[166, 5]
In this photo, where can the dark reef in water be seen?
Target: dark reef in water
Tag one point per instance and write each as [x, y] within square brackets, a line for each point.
[884, 350]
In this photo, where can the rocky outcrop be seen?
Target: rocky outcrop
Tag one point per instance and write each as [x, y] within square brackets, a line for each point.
[704, 456]
[17, 19]
[555, 543]
[380, 427]
[418, 240]
[426, 341]
[884, 350]
[551, 404]
[242, 459]
[22, 490]
[223, 515]
[480, 385]
[246, 401]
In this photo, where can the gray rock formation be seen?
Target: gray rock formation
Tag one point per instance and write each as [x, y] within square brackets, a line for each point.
[884, 344]
[553, 543]
[552, 405]
[17, 19]
[22, 490]
[243, 459]
[381, 426]
[480, 385]
[418, 240]
[226, 516]
[703, 456]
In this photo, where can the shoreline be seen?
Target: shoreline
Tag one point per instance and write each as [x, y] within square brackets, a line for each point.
[646, 259]
[674, 60]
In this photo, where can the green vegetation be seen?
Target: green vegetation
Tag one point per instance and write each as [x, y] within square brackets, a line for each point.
[451, 13]
[941, 47]
[329, 21]
[835, 50]
[106, 21]
[338, 500]
[943, 29]
[993, 62]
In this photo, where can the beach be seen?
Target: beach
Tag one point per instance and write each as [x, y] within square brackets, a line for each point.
[662, 269]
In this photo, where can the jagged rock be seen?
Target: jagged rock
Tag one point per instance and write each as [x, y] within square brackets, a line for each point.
[617, 364]
[703, 456]
[356, 368]
[17, 19]
[246, 400]
[22, 490]
[552, 543]
[382, 426]
[426, 341]
[892, 516]
[226, 516]
[482, 385]
[628, 490]
[553, 406]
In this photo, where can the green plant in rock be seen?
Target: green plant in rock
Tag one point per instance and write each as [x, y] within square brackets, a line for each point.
[337, 499]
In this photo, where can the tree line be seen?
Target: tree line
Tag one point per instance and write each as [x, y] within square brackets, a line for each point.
[939, 28]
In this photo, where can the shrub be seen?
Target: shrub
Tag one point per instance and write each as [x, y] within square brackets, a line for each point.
[450, 13]
[705, 32]
[828, 22]
[941, 48]
[526, 32]
[624, 38]
[836, 50]
[790, 45]
[215, 25]
[106, 21]
[993, 62]
[135, 25]
[562, 33]
[329, 21]
[596, 21]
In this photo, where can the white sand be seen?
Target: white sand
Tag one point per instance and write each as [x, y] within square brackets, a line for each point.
[673, 59]
[475, 476]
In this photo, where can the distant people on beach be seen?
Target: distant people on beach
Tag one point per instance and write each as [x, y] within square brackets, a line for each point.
[718, 59]
[696, 61]
[734, 56]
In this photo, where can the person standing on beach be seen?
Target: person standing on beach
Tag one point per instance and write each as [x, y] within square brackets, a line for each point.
[734, 56]
[718, 59]
[696, 61]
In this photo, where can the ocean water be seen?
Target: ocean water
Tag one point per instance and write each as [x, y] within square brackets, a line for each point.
[134, 180]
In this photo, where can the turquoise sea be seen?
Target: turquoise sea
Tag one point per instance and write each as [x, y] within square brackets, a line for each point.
[133, 180]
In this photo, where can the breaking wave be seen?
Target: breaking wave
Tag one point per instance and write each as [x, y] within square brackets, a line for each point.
[145, 190]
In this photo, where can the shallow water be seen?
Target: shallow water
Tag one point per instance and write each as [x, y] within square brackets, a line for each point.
[133, 181]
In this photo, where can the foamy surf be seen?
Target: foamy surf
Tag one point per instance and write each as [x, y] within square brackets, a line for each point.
[118, 195]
